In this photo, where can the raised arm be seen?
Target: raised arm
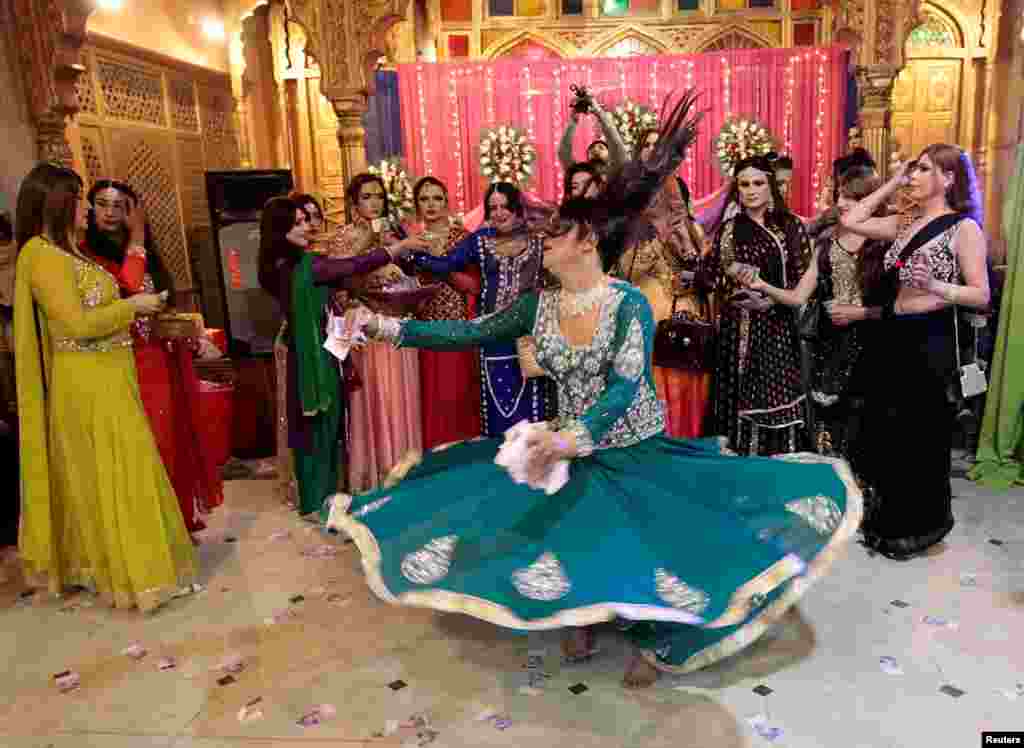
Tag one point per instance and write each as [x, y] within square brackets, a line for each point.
[633, 346]
[446, 335]
[859, 218]
[565, 144]
[52, 278]
[617, 155]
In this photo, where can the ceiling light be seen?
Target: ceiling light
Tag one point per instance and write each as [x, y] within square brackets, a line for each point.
[110, 4]
[213, 29]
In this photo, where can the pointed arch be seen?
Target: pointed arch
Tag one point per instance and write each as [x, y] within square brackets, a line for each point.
[630, 32]
[937, 27]
[733, 36]
[528, 36]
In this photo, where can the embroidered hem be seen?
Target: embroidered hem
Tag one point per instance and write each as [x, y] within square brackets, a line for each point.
[787, 568]
[773, 613]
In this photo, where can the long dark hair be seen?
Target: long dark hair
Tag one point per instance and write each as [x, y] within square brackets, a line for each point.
[857, 183]
[276, 221]
[630, 189]
[356, 186]
[112, 246]
[47, 202]
[511, 193]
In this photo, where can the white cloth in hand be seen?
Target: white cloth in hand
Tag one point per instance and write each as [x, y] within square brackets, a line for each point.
[513, 456]
[345, 333]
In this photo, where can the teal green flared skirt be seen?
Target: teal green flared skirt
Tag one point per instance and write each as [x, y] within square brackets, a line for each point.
[708, 549]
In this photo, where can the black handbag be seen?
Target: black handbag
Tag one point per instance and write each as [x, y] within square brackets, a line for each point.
[684, 342]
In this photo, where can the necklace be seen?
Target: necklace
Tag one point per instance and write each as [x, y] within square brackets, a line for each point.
[576, 304]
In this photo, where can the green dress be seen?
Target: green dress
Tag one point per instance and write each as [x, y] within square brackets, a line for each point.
[697, 550]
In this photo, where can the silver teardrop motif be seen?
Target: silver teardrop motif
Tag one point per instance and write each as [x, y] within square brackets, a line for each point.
[431, 562]
[544, 579]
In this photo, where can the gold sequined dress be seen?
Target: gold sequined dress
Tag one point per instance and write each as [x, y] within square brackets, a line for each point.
[98, 509]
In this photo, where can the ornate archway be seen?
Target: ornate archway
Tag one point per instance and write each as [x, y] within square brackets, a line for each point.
[927, 95]
[527, 44]
[733, 37]
[629, 41]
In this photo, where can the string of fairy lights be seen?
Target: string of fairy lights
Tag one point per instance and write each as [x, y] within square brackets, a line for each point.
[462, 81]
[456, 130]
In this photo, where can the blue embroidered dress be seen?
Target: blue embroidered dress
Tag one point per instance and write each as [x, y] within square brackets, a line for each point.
[698, 550]
[507, 397]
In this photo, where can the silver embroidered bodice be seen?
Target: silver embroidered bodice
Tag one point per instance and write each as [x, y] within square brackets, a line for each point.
[583, 374]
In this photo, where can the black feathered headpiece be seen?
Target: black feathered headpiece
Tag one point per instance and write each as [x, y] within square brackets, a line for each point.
[631, 188]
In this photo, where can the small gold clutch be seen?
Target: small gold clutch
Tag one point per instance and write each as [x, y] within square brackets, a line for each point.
[179, 325]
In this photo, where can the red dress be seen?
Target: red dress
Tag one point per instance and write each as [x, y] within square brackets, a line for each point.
[450, 380]
[170, 396]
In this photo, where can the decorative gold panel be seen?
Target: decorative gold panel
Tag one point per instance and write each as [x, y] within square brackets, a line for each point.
[191, 172]
[769, 29]
[131, 93]
[86, 93]
[92, 153]
[184, 112]
[220, 140]
[926, 103]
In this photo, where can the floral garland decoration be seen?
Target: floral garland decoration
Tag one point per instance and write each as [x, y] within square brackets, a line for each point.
[740, 138]
[631, 119]
[397, 185]
[506, 155]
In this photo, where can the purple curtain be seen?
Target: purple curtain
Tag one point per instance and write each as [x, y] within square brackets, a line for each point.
[383, 119]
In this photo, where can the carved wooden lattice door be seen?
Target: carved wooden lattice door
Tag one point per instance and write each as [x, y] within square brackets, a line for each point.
[146, 160]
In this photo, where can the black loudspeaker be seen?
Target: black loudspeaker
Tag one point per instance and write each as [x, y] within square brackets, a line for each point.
[227, 260]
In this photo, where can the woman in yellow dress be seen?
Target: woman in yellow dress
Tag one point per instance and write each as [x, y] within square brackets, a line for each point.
[98, 510]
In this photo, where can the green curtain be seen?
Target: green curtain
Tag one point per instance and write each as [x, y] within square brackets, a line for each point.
[1000, 459]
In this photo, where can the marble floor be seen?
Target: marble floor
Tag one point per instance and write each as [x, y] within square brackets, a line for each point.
[289, 603]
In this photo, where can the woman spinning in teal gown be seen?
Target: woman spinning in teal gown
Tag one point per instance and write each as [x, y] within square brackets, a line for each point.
[696, 550]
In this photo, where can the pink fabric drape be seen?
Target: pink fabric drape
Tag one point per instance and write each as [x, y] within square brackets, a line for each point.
[799, 93]
[385, 421]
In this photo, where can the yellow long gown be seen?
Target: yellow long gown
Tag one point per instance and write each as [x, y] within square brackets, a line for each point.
[98, 509]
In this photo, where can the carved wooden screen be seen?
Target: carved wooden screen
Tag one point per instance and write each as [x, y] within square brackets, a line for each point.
[158, 125]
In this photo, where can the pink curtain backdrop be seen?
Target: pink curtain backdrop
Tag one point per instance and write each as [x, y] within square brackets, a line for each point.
[799, 94]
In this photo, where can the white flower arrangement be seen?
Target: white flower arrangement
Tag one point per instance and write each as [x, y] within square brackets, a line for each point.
[397, 185]
[740, 138]
[506, 155]
[631, 119]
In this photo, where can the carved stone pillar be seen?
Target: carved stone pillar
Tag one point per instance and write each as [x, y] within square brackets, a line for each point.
[351, 135]
[347, 38]
[261, 90]
[49, 35]
[51, 139]
[875, 83]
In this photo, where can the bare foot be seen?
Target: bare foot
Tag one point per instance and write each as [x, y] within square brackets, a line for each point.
[578, 644]
[639, 673]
